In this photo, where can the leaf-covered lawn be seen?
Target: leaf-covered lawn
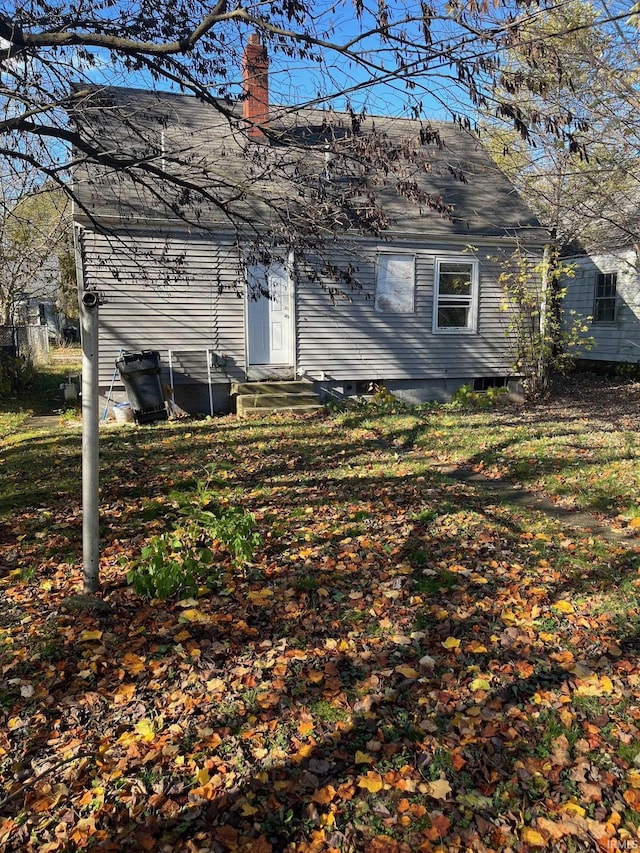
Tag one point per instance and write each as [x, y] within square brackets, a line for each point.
[12, 422]
[41, 393]
[404, 665]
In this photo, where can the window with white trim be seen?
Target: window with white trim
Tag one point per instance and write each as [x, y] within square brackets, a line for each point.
[395, 283]
[455, 295]
[604, 308]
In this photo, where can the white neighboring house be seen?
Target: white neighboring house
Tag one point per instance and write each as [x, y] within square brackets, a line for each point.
[35, 249]
[605, 291]
[38, 306]
[36, 317]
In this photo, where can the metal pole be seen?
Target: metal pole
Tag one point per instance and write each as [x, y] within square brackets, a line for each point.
[90, 441]
[173, 393]
[209, 381]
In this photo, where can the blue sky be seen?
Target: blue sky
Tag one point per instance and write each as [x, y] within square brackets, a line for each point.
[294, 81]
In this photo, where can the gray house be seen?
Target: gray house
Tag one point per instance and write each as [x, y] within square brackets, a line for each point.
[311, 245]
[603, 290]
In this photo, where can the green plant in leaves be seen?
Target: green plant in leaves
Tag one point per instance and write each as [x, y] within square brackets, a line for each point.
[231, 526]
[466, 397]
[172, 563]
[235, 528]
[179, 561]
[381, 401]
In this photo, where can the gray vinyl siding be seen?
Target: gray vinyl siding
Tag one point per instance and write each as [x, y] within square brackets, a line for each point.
[348, 340]
[162, 294]
[185, 294]
[617, 340]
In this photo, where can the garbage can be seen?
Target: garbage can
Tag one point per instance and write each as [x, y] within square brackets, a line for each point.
[8, 351]
[140, 372]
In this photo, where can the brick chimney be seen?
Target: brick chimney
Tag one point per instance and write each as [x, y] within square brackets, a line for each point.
[255, 83]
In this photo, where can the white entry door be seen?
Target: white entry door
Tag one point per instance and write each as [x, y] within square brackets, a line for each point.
[269, 316]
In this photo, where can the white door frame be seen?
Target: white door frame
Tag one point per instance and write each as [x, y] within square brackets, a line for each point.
[278, 370]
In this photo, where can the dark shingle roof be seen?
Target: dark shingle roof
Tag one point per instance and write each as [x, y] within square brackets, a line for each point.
[316, 162]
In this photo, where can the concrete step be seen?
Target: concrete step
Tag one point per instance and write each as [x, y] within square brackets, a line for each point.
[270, 410]
[246, 403]
[292, 387]
[278, 399]
[266, 397]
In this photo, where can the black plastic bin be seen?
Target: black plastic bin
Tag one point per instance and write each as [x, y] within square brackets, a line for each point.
[8, 351]
[140, 372]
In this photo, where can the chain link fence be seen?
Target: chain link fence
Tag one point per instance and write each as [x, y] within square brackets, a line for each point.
[27, 341]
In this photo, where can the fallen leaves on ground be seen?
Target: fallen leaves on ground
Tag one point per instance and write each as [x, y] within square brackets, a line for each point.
[405, 666]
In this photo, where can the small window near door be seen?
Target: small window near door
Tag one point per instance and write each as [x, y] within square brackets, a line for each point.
[395, 283]
[456, 291]
[604, 310]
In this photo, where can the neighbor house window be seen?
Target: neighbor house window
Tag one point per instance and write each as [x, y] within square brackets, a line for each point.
[456, 292]
[395, 283]
[604, 309]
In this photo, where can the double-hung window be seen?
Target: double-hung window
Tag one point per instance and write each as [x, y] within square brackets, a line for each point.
[456, 295]
[395, 283]
[604, 309]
